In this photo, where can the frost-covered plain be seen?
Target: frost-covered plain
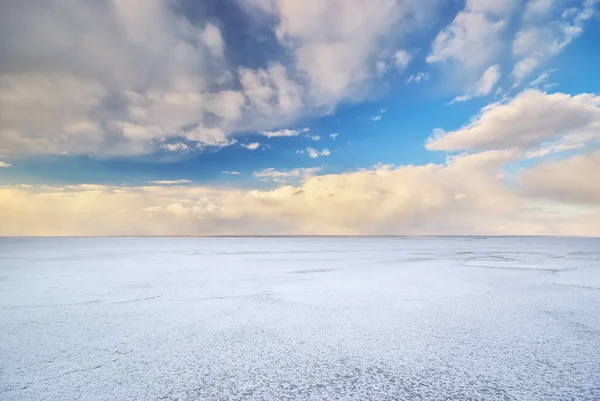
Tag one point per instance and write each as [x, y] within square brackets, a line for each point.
[300, 319]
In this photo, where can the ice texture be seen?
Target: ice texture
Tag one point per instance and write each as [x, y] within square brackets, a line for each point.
[450, 318]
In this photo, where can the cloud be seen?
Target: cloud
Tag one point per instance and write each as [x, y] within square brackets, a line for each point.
[402, 58]
[175, 147]
[314, 153]
[337, 59]
[527, 120]
[468, 194]
[170, 182]
[286, 176]
[541, 79]
[569, 181]
[379, 116]
[484, 86]
[230, 172]
[333, 135]
[418, 78]
[314, 137]
[251, 146]
[283, 133]
[142, 74]
[5, 165]
[543, 36]
[474, 38]
[133, 81]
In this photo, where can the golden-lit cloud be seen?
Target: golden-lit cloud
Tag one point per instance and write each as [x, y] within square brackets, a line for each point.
[469, 194]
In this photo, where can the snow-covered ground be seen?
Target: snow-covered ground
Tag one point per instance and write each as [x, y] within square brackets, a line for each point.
[299, 319]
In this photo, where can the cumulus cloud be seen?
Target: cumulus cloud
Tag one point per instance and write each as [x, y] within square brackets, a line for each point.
[337, 58]
[5, 165]
[132, 80]
[527, 120]
[141, 74]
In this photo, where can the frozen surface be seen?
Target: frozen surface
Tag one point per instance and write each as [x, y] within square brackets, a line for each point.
[300, 319]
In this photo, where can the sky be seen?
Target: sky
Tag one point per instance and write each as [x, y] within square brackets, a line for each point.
[312, 117]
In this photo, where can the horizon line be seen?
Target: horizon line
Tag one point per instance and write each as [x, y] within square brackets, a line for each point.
[474, 236]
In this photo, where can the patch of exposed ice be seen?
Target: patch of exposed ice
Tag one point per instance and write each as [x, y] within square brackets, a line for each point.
[300, 319]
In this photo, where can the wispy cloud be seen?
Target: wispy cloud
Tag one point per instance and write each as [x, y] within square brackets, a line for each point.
[169, 182]
[5, 165]
[314, 153]
[175, 147]
[284, 132]
[418, 78]
[484, 86]
[286, 176]
[230, 172]
[251, 146]
[379, 116]
[333, 135]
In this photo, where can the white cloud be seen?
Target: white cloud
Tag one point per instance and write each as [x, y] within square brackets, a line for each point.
[538, 9]
[402, 58]
[169, 182]
[474, 38]
[314, 153]
[484, 86]
[418, 78]
[315, 137]
[541, 79]
[337, 58]
[333, 135]
[230, 172]
[524, 68]
[524, 121]
[211, 36]
[379, 116]
[286, 176]
[141, 73]
[251, 146]
[175, 147]
[5, 165]
[283, 133]
[543, 37]
[271, 92]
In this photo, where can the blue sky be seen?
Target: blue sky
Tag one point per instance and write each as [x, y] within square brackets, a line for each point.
[251, 100]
